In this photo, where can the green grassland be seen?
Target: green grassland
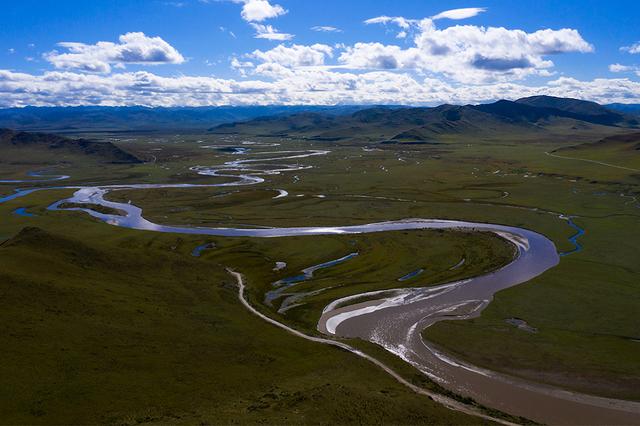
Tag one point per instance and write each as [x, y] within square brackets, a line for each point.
[587, 334]
[584, 306]
[621, 150]
[102, 325]
[382, 259]
[76, 338]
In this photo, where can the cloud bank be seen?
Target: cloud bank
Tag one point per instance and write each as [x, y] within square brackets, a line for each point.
[289, 86]
[435, 64]
[466, 53]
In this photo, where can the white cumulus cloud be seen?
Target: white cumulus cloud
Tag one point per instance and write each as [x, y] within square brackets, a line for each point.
[620, 68]
[397, 20]
[466, 52]
[634, 48]
[326, 29]
[259, 10]
[269, 33]
[133, 48]
[625, 68]
[295, 55]
[379, 56]
[456, 14]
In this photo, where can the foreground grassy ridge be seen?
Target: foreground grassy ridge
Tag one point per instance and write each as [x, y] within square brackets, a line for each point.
[124, 327]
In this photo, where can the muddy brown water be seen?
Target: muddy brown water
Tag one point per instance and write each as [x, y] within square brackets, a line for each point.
[396, 322]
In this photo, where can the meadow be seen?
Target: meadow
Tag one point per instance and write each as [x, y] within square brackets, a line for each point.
[111, 325]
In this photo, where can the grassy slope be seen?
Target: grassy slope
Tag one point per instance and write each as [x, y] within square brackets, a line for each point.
[619, 151]
[126, 327]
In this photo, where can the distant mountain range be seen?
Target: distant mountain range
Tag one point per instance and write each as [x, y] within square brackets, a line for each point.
[533, 116]
[393, 124]
[625, 108]
[536, 114]
[55, 146]
[137, 118]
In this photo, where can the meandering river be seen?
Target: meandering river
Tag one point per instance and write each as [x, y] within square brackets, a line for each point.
[395, 319]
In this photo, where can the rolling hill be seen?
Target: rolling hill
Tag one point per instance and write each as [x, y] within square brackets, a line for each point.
[629, 143]
[14, 144]
[618, 151]
[535, 115]
[590, 112]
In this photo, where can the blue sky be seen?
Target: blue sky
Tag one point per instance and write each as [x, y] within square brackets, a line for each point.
[213, 52]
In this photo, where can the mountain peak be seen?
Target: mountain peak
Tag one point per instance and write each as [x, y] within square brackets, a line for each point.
[577, 106]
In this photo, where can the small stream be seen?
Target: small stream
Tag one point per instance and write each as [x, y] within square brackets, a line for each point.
[411, 274]
[22, 211]
[307, 274]
[196, 252]
[574, 238]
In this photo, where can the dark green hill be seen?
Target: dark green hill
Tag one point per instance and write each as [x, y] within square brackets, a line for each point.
[577, 109]
[576, 106]
[18, 143]
[629, 142]
[524, 116]
[275, 125]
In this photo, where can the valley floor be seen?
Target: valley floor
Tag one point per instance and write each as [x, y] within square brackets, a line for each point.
[104, 324]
